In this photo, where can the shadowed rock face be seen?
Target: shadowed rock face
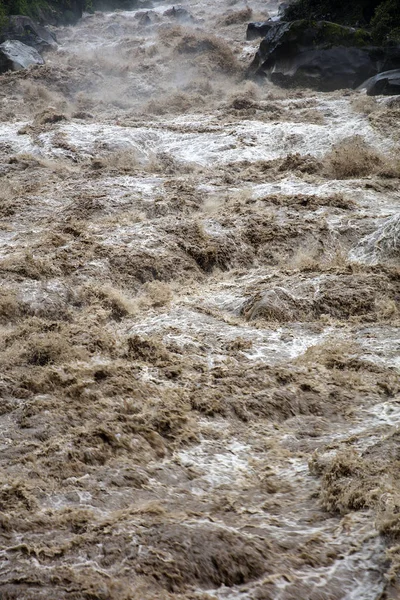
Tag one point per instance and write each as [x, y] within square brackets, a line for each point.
[25, 30]
[383, 84]
[15, 55]
[320, 55]
[258, 29]
[178, 13]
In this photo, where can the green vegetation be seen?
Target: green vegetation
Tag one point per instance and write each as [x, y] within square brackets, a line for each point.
[58, 11]
[31, 8]
[3, 15]
[66, 11]
[382, 17]
[110, 4]
[358, 12]
[326, 32]
[386, 22]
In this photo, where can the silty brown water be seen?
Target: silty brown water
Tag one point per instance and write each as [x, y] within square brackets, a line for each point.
[199, 322]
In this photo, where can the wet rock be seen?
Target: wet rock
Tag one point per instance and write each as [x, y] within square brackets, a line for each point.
[25, 30]
[15, 55]
[383, 84]
[178, 13]
[145, 20]
[320, 55]
[282, 8]
[258, 29]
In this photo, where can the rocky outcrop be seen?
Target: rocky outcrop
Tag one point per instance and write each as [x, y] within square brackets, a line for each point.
[383, 84]
[258, 29]
[321, 55]
[25, 30]
[15, 55]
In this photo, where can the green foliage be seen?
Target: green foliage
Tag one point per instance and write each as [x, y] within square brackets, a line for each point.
[67, 10]
[328, 34]
[386, 22]
[30, 8]
[48, 11]
[3, 15]
[112, 4]
[383, 17]
[357, 12]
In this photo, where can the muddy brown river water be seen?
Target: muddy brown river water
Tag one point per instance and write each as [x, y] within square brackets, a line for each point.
[199, 314]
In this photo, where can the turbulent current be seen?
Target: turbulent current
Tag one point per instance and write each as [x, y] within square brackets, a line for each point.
[199, 313]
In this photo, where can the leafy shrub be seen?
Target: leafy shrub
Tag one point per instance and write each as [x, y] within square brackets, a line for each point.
[58, 11]
[383, 17]
[358, 12]
[31, 8]
[386, 22]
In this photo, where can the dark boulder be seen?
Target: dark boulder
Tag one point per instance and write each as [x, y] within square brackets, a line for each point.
[258, 29]
[326, 69]
[383, 84]
[25, 30]
[320, 55]
[15, 55]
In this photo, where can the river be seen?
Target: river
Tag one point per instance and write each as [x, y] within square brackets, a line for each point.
[198, 321]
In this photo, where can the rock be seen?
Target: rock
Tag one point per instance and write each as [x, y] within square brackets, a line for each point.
[25, 30]
[282, 9]
[15, 55]
[320, 55]
[383, 84]
[258, 29]
[145, 20]
[178, 13]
